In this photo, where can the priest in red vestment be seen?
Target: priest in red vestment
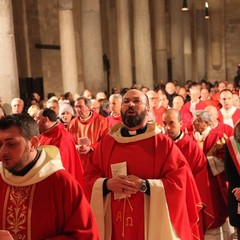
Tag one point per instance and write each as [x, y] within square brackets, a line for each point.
[212, 143]
[115, 101]
[196, 159]
[87, 124]
[190, 107]
[206, 98]
[138, 181]
[216, 124]
[39, 199]
[54, 133]
[157, 109]
[229, 114]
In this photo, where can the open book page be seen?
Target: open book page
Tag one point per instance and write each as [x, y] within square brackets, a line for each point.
[5, 235]
[216, 165]
[119, 169]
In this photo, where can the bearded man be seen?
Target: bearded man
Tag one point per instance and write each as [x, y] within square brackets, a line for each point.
[137, 178]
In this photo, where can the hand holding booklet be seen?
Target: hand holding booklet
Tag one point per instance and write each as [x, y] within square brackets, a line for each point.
[5, 235]
[216, 165]
[119, 169]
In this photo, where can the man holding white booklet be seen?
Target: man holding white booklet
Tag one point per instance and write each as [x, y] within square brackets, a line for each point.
[137, 178]
[87, 128]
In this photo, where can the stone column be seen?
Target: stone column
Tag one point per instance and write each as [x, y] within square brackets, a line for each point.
[177, 42]
[142, 44]
[199, 48]
[68, 47]
[8, 70]
[216, 24]
[160, 40]
[187, 45]
[110, 43]
[216, 31]
[92, 46]
[124, 46]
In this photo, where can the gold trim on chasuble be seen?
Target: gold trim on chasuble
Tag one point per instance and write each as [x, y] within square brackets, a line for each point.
[121, 216]
[17, 211]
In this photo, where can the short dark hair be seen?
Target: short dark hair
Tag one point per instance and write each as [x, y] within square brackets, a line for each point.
[226, 90]
[26, 125]
[67, 94]
[50, 114]
[87, 101]
[51, 94]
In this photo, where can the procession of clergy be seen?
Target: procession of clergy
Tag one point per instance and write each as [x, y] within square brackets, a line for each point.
[153, 164]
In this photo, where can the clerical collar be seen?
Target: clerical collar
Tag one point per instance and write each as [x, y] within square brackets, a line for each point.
[114, 115]
[54, 125]
[200, 137]
[127, 133]
[25, 170]
[179, 137]
[85, 119]
[195, 102]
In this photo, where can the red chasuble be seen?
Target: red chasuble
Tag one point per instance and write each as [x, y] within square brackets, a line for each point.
[218, 184]
[46, 203]
[198, 164]
[158, 115]
[95, 128]
[61, 138]
[235, 117]
[113, 120]
[187, 116]
[155, 157]
[224, 128]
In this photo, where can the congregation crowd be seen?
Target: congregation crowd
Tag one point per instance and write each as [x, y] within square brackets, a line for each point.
[156, 164]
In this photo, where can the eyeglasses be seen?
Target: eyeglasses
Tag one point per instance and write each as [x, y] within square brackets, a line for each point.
[135, 101]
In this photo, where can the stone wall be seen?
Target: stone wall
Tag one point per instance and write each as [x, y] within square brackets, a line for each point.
[37, 22]
[232, 37]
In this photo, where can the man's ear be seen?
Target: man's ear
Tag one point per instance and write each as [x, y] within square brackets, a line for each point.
[181, 123]
[148, 109]
[34, 143]
[45, 119]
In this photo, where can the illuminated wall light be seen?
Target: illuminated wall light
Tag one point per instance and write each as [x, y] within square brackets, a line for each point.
[206, 11]
[184, 5]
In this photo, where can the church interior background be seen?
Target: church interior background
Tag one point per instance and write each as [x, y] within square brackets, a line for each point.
[69, 45]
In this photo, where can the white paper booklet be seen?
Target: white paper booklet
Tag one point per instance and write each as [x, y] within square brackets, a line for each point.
[119, 169]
